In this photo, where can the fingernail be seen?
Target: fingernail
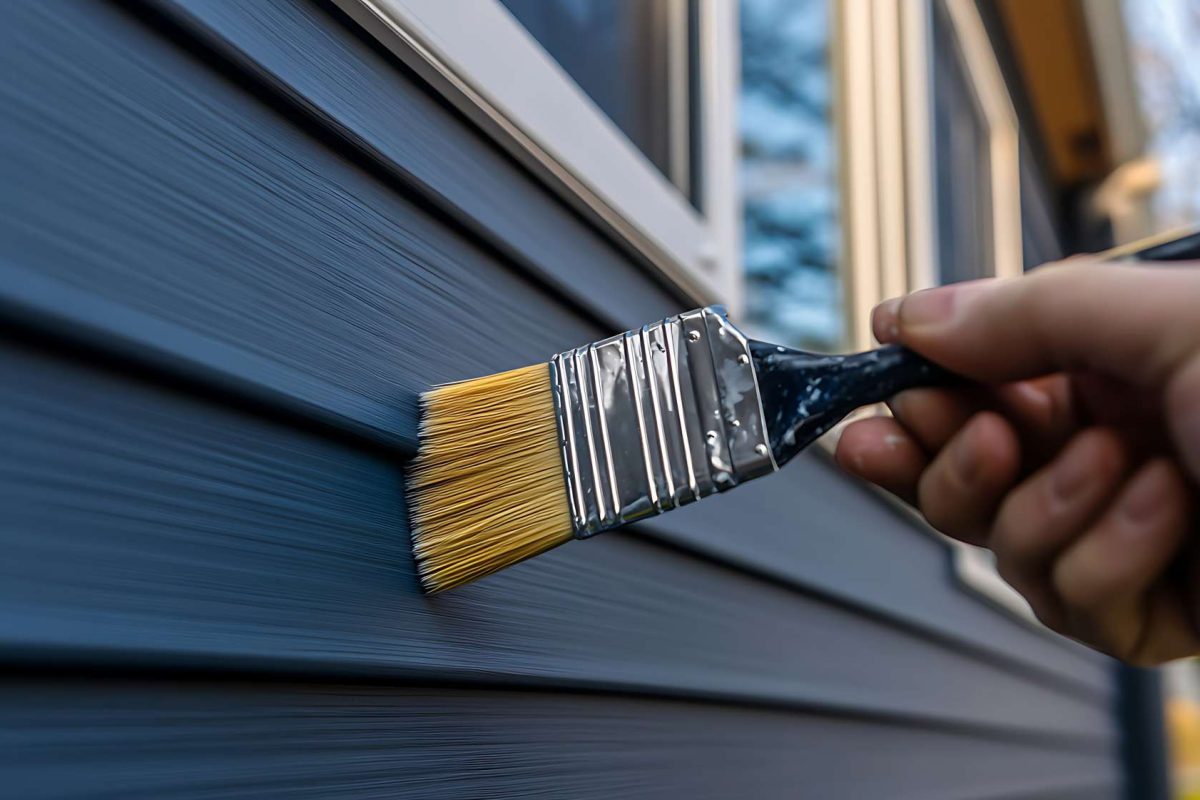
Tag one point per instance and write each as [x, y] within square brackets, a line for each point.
[884, 321]
[928, 307]
[932, 307]
[1144, 496]
[1072, 474]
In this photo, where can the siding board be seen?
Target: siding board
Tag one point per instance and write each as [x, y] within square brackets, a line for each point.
[146, 524]
[805, 540]
[157, 206]
[197, 739]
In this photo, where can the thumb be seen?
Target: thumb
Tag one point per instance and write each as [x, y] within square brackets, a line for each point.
[1133, 323]
[1136, 323]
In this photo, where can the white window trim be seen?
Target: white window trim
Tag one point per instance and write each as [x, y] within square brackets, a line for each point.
[484, 61]
[884, 62]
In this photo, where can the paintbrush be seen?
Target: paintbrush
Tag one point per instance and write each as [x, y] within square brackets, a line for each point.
[514, 464]
[511, 465]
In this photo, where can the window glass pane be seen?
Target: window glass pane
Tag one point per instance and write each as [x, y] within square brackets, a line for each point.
[625, 55]
[963, 182]
[793, 292]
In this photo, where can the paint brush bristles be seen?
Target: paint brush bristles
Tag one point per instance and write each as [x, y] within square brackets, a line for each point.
[487, 487]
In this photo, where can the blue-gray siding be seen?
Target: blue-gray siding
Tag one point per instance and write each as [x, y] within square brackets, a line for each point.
[236, 239]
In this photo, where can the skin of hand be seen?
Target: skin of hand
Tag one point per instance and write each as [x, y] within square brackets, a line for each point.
[1076, 456]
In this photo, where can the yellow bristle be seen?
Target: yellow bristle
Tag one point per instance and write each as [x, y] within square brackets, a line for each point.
[487, 487]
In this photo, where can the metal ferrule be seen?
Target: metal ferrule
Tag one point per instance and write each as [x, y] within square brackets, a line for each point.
[657, 418]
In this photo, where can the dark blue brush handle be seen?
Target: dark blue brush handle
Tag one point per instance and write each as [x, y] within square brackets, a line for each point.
[805, 394]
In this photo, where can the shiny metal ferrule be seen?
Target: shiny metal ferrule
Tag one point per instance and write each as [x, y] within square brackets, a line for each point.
[658, 417]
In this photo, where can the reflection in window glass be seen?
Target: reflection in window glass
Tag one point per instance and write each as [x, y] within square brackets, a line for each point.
[793, 292]
[622, 54]
[1163, 34]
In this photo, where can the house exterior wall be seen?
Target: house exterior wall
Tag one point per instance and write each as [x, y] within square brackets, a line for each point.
[236, 240]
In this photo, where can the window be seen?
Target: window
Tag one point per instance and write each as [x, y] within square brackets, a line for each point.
[788, 180]
[623, 107]
[634, 60]
[929, 169]
[976, 185]
[900, 174]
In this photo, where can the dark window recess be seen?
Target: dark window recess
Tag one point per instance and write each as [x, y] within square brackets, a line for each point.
[1041, 226]
[963, 182]
[635, 60]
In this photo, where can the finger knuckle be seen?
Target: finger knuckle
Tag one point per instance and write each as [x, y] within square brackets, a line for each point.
[1082, 593]
[1014, 539]
[939, 502]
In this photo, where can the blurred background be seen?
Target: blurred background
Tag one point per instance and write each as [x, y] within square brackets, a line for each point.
[237, 238]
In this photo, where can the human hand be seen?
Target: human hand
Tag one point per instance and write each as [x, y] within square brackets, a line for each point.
[1076, 459]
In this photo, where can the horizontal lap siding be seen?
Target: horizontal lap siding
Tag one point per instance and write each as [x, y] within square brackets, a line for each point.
[810, 527]
[245, 240]
[144, 522]
[191, 739]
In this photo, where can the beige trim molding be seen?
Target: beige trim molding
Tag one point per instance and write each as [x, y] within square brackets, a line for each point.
[884, 68]
[858, 174]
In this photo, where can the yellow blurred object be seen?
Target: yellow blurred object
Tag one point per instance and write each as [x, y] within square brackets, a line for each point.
[1183, 725]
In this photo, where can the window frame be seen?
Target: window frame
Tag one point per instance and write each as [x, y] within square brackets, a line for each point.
[470, 51]
[884, 66]
[884, 61]
[991, 95]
